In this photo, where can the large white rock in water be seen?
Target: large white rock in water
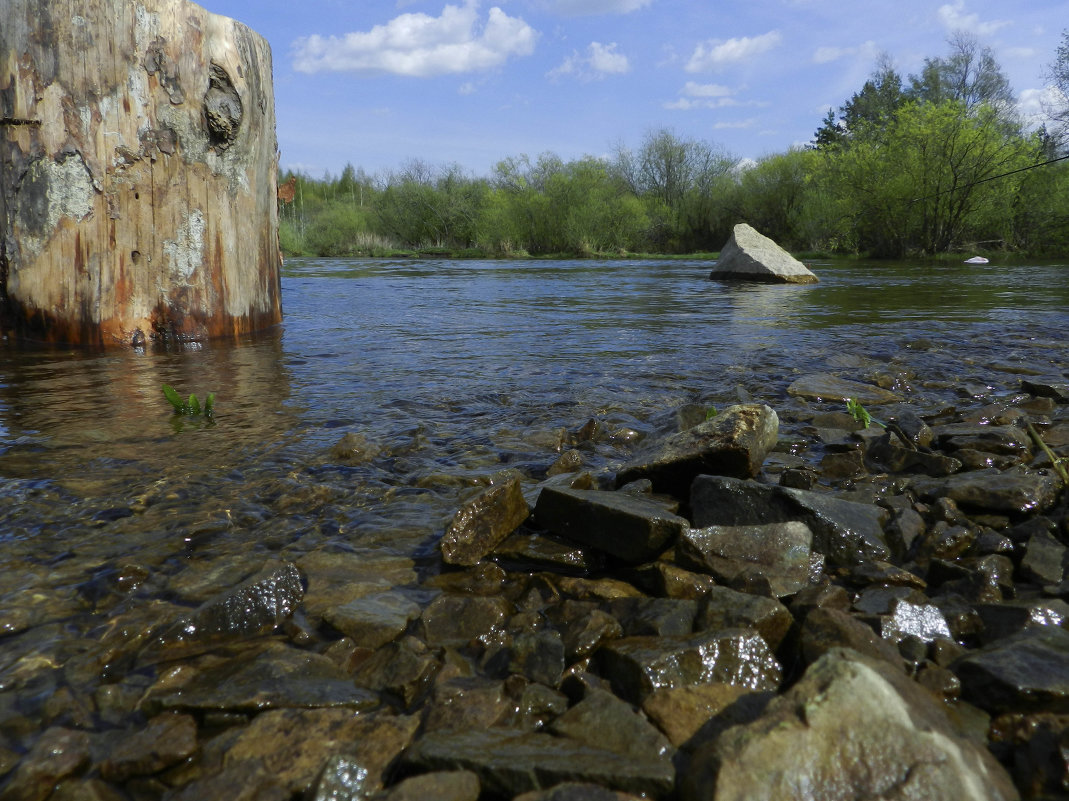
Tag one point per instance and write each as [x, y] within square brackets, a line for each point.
[750, 256]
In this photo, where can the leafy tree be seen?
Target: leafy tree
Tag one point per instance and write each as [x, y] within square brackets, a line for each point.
[875, 104]
[1057, 106]
[970, 75]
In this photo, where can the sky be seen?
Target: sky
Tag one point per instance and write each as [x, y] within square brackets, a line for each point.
[381, 83]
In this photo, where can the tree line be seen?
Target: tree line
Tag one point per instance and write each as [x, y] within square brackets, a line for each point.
[927, 164]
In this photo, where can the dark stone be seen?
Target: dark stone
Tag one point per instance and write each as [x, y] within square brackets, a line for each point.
[510, 762]
[851, 728]
[403, 668]
[453, 785]
[375, 619]
[165, 741]
[576, 791]
[483, 522]
[1004, 619]
[1044, 389]
[584, 628]
[1028, 671]
[888, 454]
[538, 655]
[845, 531]
[367, 744]
[57, 754]
[778, 551]
[254, 608]
[656, 617]
[1015, 491]
[601, 720]
[1044, 559]
[637, 666]
[467, 702]
[278, 676]
[1002, 440]
[460, 619]
[825, 629]
[825, 386]
[632, 529]
[734, 443]
[725, 608]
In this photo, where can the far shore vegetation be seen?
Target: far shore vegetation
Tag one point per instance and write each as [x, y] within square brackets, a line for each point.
[933, 164]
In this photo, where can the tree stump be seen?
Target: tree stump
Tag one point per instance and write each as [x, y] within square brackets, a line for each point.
[138, 171]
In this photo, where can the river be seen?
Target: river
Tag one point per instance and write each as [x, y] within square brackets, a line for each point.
[449, 371]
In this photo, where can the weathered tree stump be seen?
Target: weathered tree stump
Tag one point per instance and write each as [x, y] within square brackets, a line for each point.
[138, 171]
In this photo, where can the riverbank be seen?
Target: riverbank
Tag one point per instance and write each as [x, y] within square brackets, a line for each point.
[342, 452]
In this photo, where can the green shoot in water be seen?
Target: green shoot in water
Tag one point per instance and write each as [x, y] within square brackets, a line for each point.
[192, 406]
[710, 413]
[861, 414]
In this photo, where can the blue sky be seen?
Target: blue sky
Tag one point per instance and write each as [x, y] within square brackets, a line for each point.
[377, 83]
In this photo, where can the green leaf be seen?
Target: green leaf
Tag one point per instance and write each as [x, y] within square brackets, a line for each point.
[194, 405]
[209, 405]
[710, 413]
[174, 399]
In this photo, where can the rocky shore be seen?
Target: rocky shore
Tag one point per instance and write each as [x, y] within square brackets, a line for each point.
[750, 608]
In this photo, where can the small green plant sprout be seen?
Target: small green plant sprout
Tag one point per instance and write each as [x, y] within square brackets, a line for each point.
[861, 414]
[710, 413]
[192, 406]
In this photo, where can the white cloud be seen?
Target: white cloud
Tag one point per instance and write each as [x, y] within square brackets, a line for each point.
[1033, 105]
[583, 8]
[717, 53]
[420, 45]
[824, 55]
[598, 61]
[954, 18]
[707, 95]
[720, 126]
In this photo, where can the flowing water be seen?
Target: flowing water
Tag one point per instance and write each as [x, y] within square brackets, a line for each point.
[450, 371]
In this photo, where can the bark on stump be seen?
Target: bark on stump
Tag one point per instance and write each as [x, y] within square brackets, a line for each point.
[138, 170]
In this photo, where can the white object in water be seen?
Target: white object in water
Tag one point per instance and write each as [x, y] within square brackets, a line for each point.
[976, 260]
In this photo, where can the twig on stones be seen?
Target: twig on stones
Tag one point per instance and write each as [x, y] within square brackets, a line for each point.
[1055, 461]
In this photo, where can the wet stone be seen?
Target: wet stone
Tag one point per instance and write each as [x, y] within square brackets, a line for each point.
[1015, 491]
[666, 580]
[369, 743]
[656, 617]
[825, 386]
[453, 785]
[1028, 671]
[278, 676]
[483, 522]
[680, 712]
[58, 753]
[733, 443]
[632, 529]
[855, 728]
[531, 549]
[1044, 559]
[778, 551]
[925, 622]
[337, 577]
[253, 608]
[167, 739]
[576, 791]
[374, 620]
[825, 629]
[584, 628]
[1007, 618]
[538, 656]
[846, 532]
[1001, 440]
[510, 762]
[403, 668]
[638, 666]
[601, 720]
[467, 702]
[460, 619]
[725, 608]
[1058, 391]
